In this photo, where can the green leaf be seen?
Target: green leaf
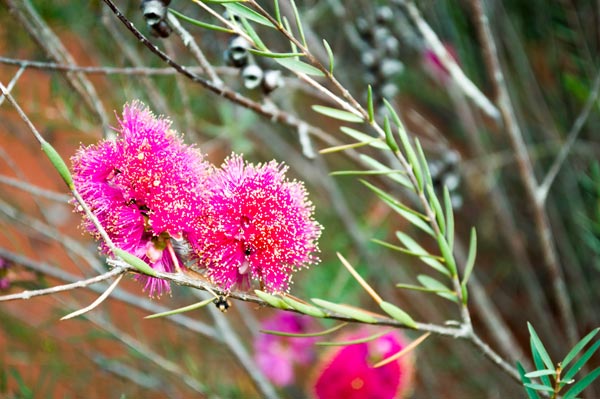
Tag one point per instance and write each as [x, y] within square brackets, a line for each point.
[303, 307]
[541, 350]
[423, 162]
[409, 214]
[277, 12]
[364, 138]
[181, 310]
[471, 257]
[272, 300]
[539, 373]
[329, 55]
[400, 178]
[433, 284]
[337, 113]
[539, 387]
[389, 136]
[406, 251]
[305, 335]
[449, 217]
[447, 254]
[582, 384]
[253, 35]
[370, 107]
[58, 163]
[354, 341]
[398, 314]
[200, 23]
[242, 11]
[298, 22]
[298, 66]
[408, 149]
[288, 28]
[581, 362]
[532, 394]
[136, 262]
[363, 172]
[578, 348]
[423, 254]
[274, 55]
[421, 288]
[349, 311]
[437, 209]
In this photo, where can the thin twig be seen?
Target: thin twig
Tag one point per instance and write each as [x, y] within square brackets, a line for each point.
[542, 224]
[12, 82]
[34, 190]
[97, 302]
[466, 85]
[117, 271]
[544, 188]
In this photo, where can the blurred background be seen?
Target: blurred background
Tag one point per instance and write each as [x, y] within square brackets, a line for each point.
[549, 54]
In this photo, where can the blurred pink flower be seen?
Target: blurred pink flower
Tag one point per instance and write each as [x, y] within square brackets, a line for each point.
[347, 372]
[145, 187]
[259, 226]
[277, 356]
[434, 66]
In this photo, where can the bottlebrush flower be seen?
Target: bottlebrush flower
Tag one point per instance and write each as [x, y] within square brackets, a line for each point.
[348, 372]
[258, 226]
[145, 187]
[277, 356]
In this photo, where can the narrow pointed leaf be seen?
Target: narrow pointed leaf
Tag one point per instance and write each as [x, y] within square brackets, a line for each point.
[531, 394]
[425, 256]
[539, 387]
[447, 254]
[389, 135]
[269, 54]
[299, 66]
[407, 251]
[541, 350]
[578, 348]
[349, 311]
[354, 341]
[423, 162]
[305, 335]
[258, 43]
[329, 55]
[407, 349]
[582, 384]
[398, 314]
[370, 107]
[422, 289]
[58, 163]
[581, 362]
[272, 300]
[449, 217]
[471, 257]
[431, 283]
[337, 113]
[277, 11]
[437, 209]
[363, 172]
[363, 137]
[136, 262]
[399, 178]
[181, 310]
[539, 373]
[200, 23]
[298, 22]
[303, 307]
[245, 12]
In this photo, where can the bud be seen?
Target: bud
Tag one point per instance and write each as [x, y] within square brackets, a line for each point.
[252, 75]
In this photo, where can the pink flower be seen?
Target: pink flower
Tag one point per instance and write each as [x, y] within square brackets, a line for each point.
[145, 187]
[347, 372]
[277, 356]
[258, 226]
[433, 65]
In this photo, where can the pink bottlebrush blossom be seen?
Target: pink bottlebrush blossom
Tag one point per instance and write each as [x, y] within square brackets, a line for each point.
[434, 66]
[145, 187]
[277, 356]
[347, 372]
[258, 226]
